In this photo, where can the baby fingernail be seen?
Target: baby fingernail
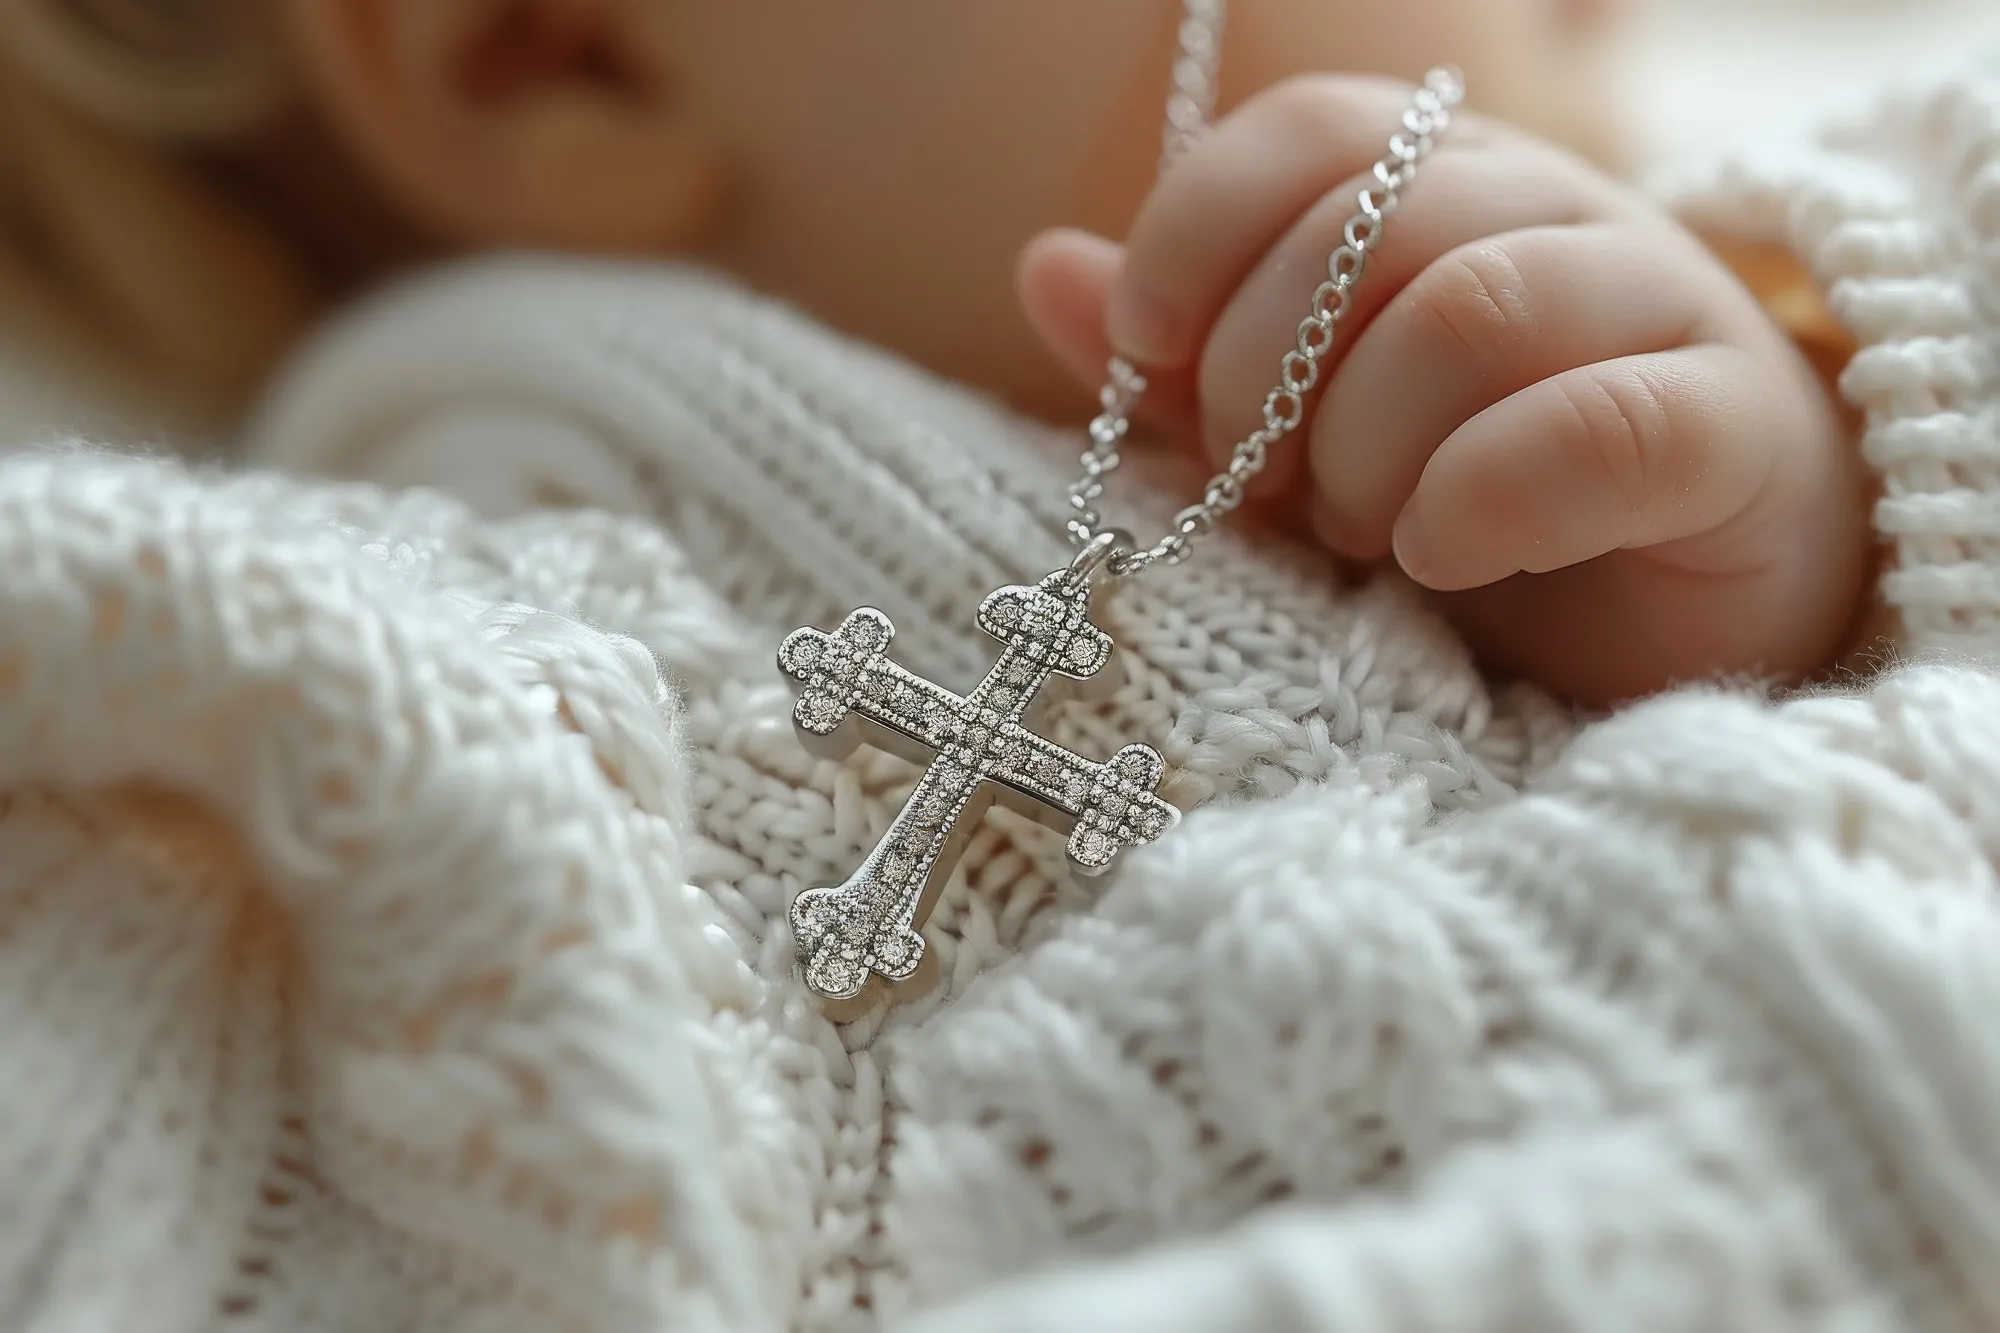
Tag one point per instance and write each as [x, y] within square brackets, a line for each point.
[1143, 328]
[1408, 544]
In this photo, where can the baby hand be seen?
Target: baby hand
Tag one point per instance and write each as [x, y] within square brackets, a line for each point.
[1545, 399]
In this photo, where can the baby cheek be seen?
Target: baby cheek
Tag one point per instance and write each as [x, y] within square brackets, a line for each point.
[1588, 16]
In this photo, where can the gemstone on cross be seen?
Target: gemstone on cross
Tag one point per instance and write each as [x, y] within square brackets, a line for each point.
[981, 746]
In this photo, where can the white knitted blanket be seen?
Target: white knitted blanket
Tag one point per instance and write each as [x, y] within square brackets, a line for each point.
[393, 885]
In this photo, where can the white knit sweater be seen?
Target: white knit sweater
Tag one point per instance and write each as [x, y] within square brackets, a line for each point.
[393, 885]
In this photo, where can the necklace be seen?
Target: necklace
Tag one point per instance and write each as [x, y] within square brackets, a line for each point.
[979, 746]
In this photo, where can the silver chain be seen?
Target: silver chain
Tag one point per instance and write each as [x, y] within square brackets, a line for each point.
[1189, 109]
[1191, 103]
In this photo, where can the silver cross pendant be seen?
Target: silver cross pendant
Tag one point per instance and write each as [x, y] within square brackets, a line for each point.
[979, 747]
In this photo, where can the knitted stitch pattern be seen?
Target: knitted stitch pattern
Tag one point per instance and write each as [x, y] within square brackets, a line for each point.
[392, 885]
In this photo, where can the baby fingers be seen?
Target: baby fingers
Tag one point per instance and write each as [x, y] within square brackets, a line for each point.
[1632, 452]
[1569, 319]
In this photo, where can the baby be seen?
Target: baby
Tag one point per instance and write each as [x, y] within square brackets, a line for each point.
[398, 872]
[1547, 401]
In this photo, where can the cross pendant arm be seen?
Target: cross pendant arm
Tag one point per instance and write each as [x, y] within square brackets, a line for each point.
[848, 672]
[1112, 803]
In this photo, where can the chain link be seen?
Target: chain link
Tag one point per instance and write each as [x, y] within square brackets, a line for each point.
[1189, 109]
[1191, 104]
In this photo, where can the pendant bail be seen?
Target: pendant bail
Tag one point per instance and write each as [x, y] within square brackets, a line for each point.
[1097, 553]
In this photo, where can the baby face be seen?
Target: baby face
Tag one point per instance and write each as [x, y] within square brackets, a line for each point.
[890, 157]
[879, 162]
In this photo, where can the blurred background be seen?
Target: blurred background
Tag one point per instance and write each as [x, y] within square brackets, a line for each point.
[1703, 72]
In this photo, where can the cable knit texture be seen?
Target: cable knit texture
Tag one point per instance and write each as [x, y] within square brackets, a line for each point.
[393, 880]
